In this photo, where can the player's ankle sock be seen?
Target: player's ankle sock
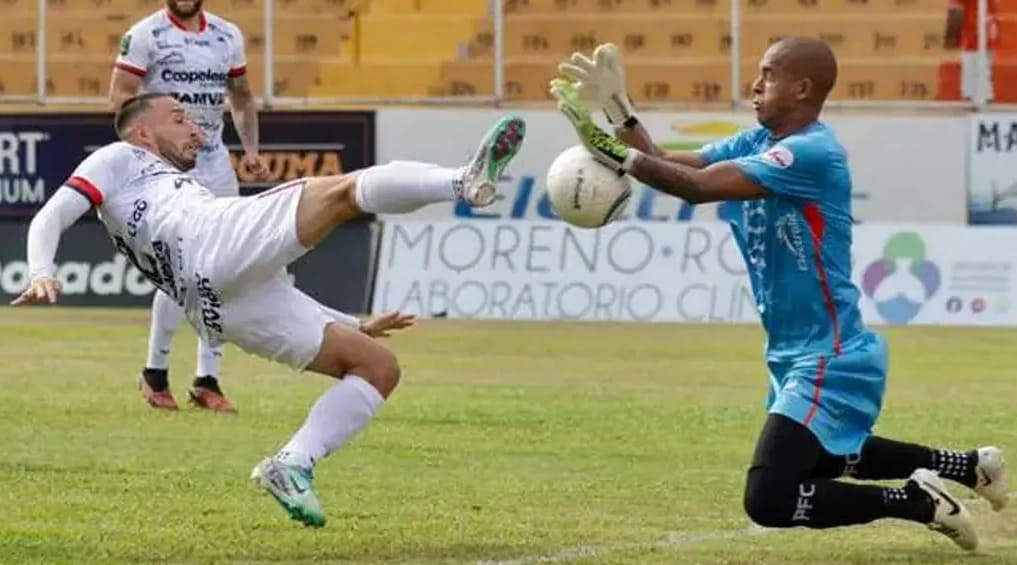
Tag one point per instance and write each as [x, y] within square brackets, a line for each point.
[956, 465]
[156, 379]
[909, 503]
[166, 318]
[335, 418]
[209, 382]
[888, 459]
[400, 187]
[209, 360]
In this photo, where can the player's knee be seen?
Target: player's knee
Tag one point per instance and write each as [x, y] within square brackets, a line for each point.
[381, 369]
[769, 499]
[340, 191]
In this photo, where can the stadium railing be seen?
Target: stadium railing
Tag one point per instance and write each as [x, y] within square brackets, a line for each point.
[268, 76]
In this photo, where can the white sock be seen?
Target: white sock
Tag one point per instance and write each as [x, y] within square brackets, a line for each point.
[404, 186]
[209, 360]
[335, 419]
[166, 318]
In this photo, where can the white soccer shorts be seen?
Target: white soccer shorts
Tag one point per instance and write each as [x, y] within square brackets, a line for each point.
[243, 293]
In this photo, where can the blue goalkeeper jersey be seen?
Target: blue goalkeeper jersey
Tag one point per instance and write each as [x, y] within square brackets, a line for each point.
[797, 240]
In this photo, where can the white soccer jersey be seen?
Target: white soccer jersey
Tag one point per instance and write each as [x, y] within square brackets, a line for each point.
[193, 66]
[222, 259]
[148, 207]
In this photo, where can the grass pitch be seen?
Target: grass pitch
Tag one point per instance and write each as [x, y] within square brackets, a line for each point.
[507, 442]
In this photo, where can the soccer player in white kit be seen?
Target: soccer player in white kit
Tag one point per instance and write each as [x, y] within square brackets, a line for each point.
[223, 260]
[199, 58]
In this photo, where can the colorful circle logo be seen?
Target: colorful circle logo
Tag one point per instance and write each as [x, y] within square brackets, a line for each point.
[903, 280]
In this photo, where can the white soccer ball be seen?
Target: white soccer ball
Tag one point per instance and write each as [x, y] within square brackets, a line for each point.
[585, 193]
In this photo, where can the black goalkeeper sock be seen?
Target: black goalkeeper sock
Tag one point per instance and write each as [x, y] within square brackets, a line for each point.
[156, 379]
[883, 458]
[211, 383]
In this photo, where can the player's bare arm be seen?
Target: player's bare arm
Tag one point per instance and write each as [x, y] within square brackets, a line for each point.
[721, 181]
[718, 182]
[637, 137]
[123, 86]
[244, 109]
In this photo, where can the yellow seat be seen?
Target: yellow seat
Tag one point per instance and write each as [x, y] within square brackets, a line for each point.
[378, 79]
[703, 7]
[907, 35]
[806, 7]
[391, 38]
[308, 36]
[294, 78]
[640, 35]
[699, 80]
[67, 35]
[65, 76]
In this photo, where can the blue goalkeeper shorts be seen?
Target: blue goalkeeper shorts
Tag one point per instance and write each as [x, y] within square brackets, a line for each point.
[838, 397]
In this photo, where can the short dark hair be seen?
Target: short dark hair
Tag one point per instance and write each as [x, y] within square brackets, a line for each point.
[132, 108]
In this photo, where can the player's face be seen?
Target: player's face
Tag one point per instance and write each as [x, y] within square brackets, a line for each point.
[774, 90]
[175, 134]
[183, 9]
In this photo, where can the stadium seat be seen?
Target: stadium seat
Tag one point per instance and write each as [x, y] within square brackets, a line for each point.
[670, 7]
[378, 79]
[389, 38]
[292, 78]
[638, 35]
[92, 36]
[851, 35]
[308, 35]
[807, 7]
[428, 7]
[65, 76]
[699, 80]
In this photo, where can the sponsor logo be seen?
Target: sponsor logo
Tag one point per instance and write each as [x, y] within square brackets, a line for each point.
[903, 279]
[108, 278]
[190, 77]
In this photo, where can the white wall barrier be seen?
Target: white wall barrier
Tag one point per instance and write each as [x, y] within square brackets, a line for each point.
[677, 272]
[905, 168]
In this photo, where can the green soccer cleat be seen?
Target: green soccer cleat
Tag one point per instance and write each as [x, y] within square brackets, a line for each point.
[291, 487]
[478, 184]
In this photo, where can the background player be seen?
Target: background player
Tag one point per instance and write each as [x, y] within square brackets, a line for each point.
[199, 58]
[827, 370]
[224, 260]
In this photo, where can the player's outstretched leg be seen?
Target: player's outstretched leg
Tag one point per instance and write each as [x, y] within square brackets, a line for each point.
[400, 187]
[982, 469]
[154, 379]
[781, 491]
[205, 391]
[368, 374]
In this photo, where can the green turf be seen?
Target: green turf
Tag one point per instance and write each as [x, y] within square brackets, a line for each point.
[506, 441]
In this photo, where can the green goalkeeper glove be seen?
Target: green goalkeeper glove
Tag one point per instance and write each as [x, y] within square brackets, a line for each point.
[603, 146]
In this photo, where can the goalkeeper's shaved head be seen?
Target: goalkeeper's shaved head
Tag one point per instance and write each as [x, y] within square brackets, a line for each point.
[796, 75]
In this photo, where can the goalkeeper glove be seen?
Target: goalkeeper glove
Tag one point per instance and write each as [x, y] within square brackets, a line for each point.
[604, 147]
[602, 81]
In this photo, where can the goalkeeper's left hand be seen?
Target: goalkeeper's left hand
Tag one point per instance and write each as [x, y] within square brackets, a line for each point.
[605, 147]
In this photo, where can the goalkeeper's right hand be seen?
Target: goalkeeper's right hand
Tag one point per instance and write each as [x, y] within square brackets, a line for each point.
[601, 80]
[602, 145]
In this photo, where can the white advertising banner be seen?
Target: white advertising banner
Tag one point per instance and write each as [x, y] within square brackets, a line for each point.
[992, 169]
[905, 169]
[678, 272]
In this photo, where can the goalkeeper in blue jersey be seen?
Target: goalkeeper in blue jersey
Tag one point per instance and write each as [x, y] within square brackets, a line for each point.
[827, 370]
